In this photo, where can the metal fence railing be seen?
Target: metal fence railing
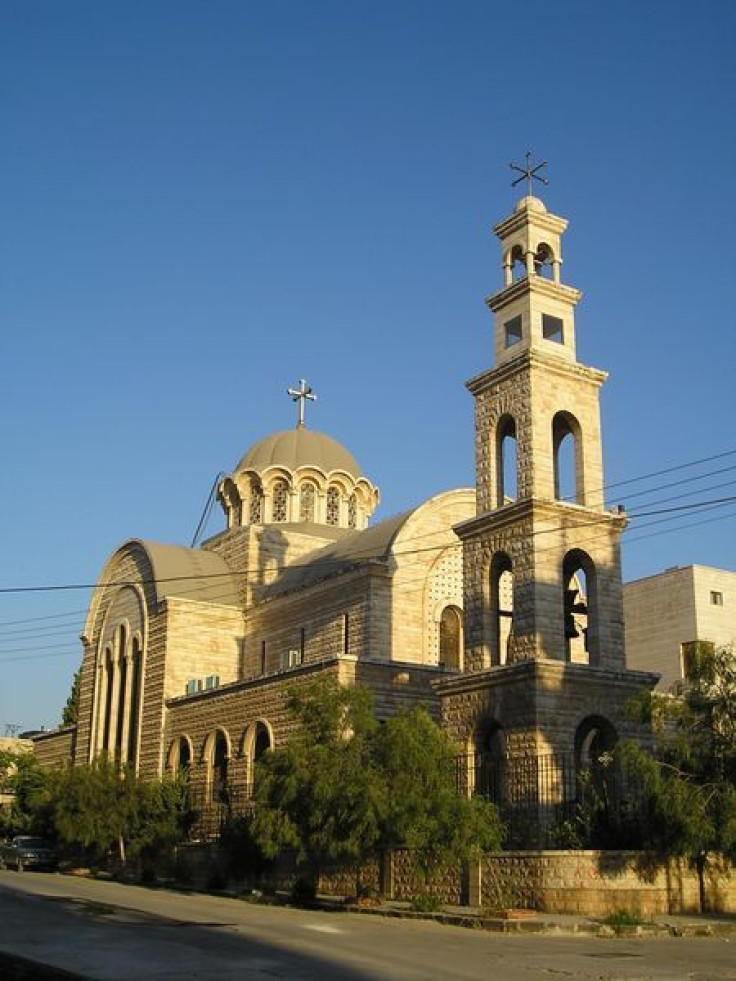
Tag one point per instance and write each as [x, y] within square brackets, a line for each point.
[540, 797]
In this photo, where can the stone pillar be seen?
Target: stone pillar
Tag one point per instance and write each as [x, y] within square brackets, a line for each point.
[386, 875]
[473, 883]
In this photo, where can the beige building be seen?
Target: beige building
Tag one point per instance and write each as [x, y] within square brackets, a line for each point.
[499, 606]
[669, 613]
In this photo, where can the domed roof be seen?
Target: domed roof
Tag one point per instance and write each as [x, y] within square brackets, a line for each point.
[300, 447]
[530, 203]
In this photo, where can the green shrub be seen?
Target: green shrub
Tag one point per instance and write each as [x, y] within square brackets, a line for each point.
[623, 918]
[426, 903]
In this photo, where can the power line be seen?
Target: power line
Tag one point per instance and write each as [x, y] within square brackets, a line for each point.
[340, 561]
[657, 473]
[70, 651]
[630, 480]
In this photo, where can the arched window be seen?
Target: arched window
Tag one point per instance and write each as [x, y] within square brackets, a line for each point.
[490, 761]
[104, 698]
[122, 688]
[595, 738]
[543, 259]
[219, 760]
[258, 741]
[109, 673]
[451, 637]
[136, 687]
[261, 742]
[233, 503]
[502, 609]
[255, 509]
[518, 263]
[180, 756]
[280, 500]
[595, 741]
[352, 511]
[568, 471]
[333, 506]
[307, 495]
[506, 461]
[580, 608]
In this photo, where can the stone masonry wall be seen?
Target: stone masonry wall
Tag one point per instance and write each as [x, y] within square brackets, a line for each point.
[55, 748]
[233, 710]
[598, 883]
[319, 611]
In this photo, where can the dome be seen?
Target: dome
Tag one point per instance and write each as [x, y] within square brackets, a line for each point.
[300, 447]
[530, 203]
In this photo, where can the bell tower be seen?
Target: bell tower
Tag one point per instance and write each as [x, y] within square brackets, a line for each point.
[542, 558]
[544, 634]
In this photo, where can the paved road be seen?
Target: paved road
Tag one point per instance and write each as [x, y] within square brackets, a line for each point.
[104, 930]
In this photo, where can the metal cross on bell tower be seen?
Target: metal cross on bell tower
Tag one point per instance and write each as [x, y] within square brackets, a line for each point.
[529, 173]
[301, 395]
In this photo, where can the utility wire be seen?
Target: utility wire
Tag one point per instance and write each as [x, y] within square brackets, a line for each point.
[593, 519]
[667, 470]
[422, 578]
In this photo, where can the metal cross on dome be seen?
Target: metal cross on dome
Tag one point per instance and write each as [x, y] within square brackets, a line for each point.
[529, 173]
[301, 395]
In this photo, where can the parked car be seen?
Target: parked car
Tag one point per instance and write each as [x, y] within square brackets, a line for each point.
[25, 852]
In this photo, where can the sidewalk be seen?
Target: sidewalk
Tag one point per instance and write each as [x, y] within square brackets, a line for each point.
[532, 921]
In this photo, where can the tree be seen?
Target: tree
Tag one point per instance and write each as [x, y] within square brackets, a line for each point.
[70, 714]
[103, 806]
[322, 794]
[686, 789]
[22, 776]
[345, 789]
[424, 811]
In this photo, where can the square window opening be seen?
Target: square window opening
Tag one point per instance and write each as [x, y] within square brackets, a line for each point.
[512, 330]
[716, 598]
[553, 328]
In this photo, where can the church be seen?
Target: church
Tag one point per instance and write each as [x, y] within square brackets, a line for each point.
[499, 607]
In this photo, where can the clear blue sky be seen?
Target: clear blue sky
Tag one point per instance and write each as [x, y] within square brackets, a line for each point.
[201, 203]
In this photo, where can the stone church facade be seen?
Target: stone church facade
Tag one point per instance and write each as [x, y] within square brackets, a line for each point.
[499, 607]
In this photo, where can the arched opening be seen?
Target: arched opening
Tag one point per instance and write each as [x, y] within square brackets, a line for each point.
[568, 471]
[352, 511]
[255, 505]
[180, 757]
[543, 259]
[280, 498]
[333, 506]
[506, 461]
[136, 687]
[184, 763]
[261, 742]
[233, 504]
[451, 638]
[108, 673]
[219, 765]
[518, 263]
[580, 608]
[307, 497]
[502, 609]
[122, 660]
[489, 744]
[258, 741]
[595, 741]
